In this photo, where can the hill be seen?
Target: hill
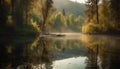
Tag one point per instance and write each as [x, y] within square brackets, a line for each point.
[73, 19]
[70, 7]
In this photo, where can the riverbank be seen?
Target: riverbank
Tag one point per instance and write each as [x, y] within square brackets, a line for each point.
[23, 31]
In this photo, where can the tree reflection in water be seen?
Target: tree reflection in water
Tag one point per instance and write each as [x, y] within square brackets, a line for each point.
[25, 53]
[102, 52]
[106, 48]
[92, 58]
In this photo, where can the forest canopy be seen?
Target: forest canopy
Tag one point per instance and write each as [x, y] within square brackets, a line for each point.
[22, 17]
[105, 19]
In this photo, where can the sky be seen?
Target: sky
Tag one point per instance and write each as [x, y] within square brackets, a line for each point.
[80, 1]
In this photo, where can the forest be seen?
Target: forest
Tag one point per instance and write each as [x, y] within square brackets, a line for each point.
[59, 34]
[32, 17]
[102, 17]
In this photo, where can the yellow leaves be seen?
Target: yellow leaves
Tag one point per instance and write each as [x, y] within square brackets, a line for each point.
[44, 12]
[34, 24]
[10, 21]
[71, 18]
[8, 2]
[68, 21]
[91, 41]
[9, 49]
[90, 28]
[34, 44]
[59, 15]
[77, 20]
[62, 18]
[106, 20]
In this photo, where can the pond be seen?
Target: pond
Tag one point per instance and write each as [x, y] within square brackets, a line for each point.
[73, 51]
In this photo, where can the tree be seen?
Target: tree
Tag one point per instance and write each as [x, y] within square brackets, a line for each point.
[3, 12]
[63, 11]
[92, 10]
[97, 15]
[109, 16]
[115, 11]
[15, 14]
[20, 9]
[46, 8]
[60, 22]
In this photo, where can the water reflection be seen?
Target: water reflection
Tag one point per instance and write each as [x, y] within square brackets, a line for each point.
[92, 58]
[70, 63]
[103, 51]
[25, 53]
[43, 52]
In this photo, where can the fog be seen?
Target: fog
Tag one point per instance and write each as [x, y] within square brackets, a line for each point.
[60, 3]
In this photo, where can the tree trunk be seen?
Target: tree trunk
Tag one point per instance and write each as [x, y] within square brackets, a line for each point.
[97, 14]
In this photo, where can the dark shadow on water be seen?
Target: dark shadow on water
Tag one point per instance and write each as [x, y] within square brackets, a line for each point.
[25, 53]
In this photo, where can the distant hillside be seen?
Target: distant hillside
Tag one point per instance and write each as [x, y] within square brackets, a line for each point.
[70, 7]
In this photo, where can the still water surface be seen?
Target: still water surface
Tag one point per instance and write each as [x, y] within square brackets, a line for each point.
[74, 51]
